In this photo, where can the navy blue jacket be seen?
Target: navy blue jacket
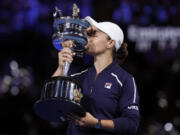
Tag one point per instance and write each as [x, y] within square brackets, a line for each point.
[112, 96]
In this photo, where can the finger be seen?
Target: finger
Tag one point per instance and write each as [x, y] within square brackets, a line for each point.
[69, 52]
[66, 50]
[80, 123]
[75, 116]
[67, 44]
[67, 56]
[70, 118]
[64, 55]
[68, 60]
[63, 59]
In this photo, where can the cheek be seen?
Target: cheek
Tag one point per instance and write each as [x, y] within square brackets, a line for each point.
[96, 45]
[100, 45]
[91, 44]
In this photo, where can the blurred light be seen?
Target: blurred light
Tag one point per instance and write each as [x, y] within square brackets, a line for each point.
[126, 12]
[162, 15]
[161, 94]
[176, 121]
[16, 81]
[116, 15]
[172, 10]
[7, 79]
[15, 72]
[13, 65]
[4, 87]
[147, 9]
[175, 67]
[154, 128]
[168, 126]
[23, 72]
[33, 131]
[163, 102]
[14, 91]
[28, 118]
[86, 10]
[26, 81]
[174, 132]
[144, 19]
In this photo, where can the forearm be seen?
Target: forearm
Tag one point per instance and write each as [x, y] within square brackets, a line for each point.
[120, 125]
[58, 72]
[107, 125]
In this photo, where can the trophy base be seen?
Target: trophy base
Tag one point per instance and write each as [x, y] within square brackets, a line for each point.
[56, 110]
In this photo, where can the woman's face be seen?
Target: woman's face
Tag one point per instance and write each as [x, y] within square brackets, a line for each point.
[97, 41]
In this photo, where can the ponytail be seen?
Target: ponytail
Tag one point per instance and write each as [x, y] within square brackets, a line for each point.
[121, 54]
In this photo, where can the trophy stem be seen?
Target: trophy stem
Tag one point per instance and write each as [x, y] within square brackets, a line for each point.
[66, 68]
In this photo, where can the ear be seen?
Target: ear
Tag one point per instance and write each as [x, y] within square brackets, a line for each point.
[111, 44]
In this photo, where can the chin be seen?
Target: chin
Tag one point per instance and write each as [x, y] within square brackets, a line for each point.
[90, 52]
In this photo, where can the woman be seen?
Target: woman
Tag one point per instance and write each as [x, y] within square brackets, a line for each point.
[110, 96]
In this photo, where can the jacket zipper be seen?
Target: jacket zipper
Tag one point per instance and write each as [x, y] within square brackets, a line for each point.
[92, 87]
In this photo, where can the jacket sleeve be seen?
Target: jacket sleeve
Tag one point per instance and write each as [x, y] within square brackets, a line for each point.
[128, 122]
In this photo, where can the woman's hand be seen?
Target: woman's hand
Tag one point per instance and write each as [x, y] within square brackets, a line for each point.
[87, 120]
[64, 55]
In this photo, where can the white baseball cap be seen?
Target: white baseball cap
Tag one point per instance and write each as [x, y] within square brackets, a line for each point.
[111, 29]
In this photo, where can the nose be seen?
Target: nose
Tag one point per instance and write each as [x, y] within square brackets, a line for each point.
[89, 39]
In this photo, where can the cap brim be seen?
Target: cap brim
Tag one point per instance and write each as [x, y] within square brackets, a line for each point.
[93, 23]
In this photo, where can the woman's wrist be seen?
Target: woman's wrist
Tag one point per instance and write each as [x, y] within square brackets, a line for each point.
[60, 68]
[58, 71]
[98, 124]
[95, 122]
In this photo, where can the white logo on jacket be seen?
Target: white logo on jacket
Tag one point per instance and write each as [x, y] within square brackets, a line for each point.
[108, 85]
[133, 107]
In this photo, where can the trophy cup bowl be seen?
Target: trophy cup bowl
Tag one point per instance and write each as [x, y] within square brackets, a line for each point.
[62, 94]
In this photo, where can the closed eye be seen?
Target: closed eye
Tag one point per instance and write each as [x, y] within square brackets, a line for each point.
[91, 32]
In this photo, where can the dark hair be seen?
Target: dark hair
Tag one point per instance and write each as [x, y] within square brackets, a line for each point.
[121, 54]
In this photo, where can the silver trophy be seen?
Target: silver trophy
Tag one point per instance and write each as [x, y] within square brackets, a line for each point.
[62, 94]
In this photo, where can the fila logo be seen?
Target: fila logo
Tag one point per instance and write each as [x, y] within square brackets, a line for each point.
[108, 85]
